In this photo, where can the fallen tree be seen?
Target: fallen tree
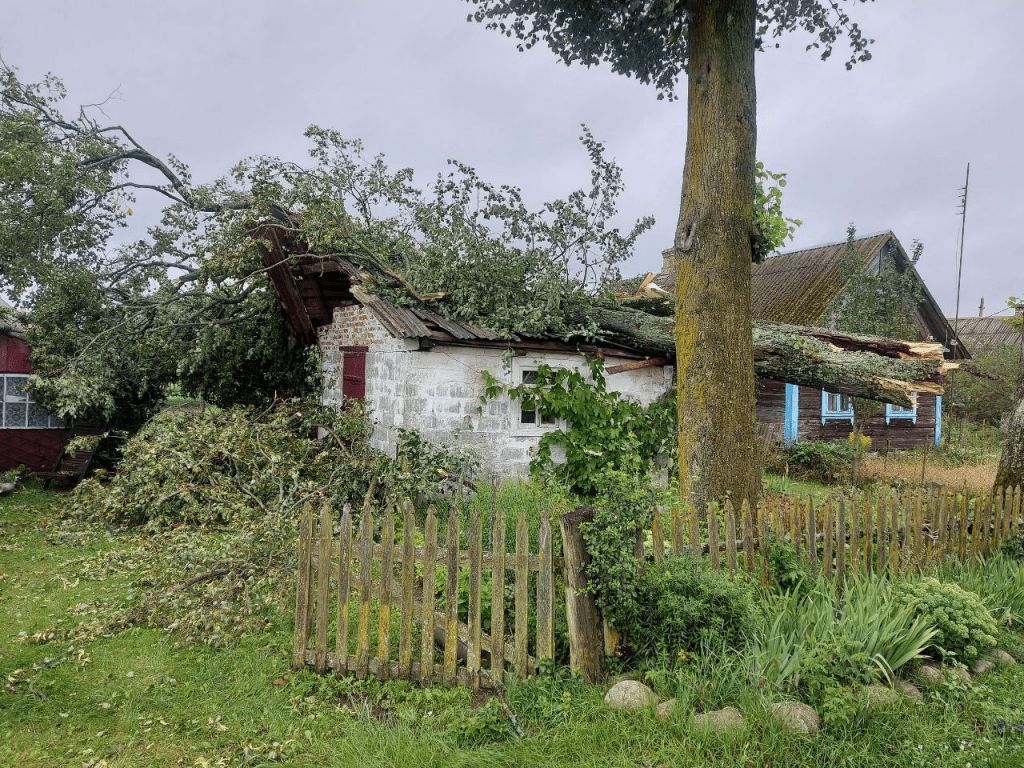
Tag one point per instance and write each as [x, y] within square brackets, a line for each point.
[871, 367]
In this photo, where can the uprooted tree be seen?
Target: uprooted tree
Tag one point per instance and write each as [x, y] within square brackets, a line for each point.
[714, 41]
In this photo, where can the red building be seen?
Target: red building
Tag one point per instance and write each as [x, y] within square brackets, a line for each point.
[28, 434]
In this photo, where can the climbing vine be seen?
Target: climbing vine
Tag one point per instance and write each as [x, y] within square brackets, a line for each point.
[603, 430]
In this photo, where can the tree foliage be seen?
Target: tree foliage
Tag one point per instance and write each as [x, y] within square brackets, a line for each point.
[650, 40]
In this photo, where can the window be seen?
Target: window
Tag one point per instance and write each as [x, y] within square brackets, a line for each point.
[20, 410]
[836, 407]
[899, 412]
[532, 416]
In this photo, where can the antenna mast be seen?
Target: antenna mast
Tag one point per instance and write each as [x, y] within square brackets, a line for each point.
[960, 262]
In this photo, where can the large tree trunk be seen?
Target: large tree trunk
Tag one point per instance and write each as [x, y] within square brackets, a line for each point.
[1011, 463]
[887, 370]
[714, 351]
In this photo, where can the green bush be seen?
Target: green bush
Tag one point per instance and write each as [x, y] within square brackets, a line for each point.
[682, 605]
[965, 629]
[998, 581]
[825, 461]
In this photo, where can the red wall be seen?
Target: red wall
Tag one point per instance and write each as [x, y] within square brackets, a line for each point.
[35, 448]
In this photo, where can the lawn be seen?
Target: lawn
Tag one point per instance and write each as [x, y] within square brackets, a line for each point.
[141, 697]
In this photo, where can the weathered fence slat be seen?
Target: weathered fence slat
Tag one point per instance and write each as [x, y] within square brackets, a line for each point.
[812, 537]
[729, 513]
[713, 536]
[869, 536]
[365, 591]
[677, 531]
[387, 540]
[763, 542]
[474, 619]
[830, 532]
[520, 656]
[498, 598]
[408, 585]
[841, 542]
[854, 533]
[657, 539]
[302, 588]
[748, 536]
[545, 614]
[429, 590]
[691, 516]
[881, 533]
[894, 535]
[323, 586]
[344, 589]
[451, 595]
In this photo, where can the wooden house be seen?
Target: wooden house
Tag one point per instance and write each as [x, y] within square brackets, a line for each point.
[28, 434]
[796, 287]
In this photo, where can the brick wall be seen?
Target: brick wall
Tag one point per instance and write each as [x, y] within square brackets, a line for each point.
[437, 391]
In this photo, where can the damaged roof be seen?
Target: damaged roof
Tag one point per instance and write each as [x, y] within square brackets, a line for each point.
[796, 287]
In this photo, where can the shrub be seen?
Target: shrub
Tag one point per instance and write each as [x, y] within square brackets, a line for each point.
[827, 461]
[682, 605]
[998, 581]
[965, 629]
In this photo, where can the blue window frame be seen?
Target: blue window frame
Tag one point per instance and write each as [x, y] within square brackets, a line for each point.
[836, 407]
[899, 412]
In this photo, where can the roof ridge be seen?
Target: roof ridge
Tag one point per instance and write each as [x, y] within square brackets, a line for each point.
[832, 244]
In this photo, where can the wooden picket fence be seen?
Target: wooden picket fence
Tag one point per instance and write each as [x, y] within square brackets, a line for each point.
[347, 579]
[365, 598]
[881, 533]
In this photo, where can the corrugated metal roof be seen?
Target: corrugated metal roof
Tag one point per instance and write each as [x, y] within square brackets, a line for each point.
[981, 332]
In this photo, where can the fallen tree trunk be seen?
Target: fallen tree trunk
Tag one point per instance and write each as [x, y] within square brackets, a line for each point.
[871, 367]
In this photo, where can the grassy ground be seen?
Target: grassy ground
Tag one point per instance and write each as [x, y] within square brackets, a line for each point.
[137, 699]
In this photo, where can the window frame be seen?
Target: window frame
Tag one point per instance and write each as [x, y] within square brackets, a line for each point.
[519, 427]
[52, 422]
[899, 413]
[829, 414]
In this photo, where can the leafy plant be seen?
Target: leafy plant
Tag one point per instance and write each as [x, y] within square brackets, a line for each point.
[964, 628]
[605, 430]
[816, 640]
[826, 461]
[683, 605]
[998, 581]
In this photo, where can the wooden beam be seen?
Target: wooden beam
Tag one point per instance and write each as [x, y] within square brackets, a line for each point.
[648, 363]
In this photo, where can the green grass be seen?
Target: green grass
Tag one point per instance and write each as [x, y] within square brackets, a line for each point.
[139, 699]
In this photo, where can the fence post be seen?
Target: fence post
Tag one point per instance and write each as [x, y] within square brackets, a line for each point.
[586, 645]
[408, 587]
[713, 536]
[812, 538]
[498, 597]
[748, 536]
[302, 589]
[429, 591]
[387, 543]
[451, 594]
[545, 614]
[520, 653]
[473, 615]
[729, 513]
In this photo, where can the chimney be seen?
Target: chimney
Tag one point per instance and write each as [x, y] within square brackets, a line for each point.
[668, 270]
[981, 307]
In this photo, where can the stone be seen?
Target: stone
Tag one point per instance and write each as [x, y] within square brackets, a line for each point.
[720, 720]
[960, 673]
[930, 674]
[981, 666]
[880, 695]
[796, 717]
[629, 694]
[910, 690]
[1000, 656]
[665, 708]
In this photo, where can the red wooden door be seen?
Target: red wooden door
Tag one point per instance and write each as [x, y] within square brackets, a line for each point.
[353, 375]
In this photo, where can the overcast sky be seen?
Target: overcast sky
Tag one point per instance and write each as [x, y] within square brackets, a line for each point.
[884, 146]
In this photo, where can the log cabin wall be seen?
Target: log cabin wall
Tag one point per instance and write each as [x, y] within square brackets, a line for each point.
[771, 402]
[899, 433]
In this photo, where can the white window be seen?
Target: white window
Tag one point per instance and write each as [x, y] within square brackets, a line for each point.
[836, 407]
[529, 418]
[20, 410]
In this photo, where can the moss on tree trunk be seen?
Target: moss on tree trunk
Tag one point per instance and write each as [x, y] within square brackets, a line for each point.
[714, 346]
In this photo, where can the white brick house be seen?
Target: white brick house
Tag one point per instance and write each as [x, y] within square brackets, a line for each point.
[418, 370]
